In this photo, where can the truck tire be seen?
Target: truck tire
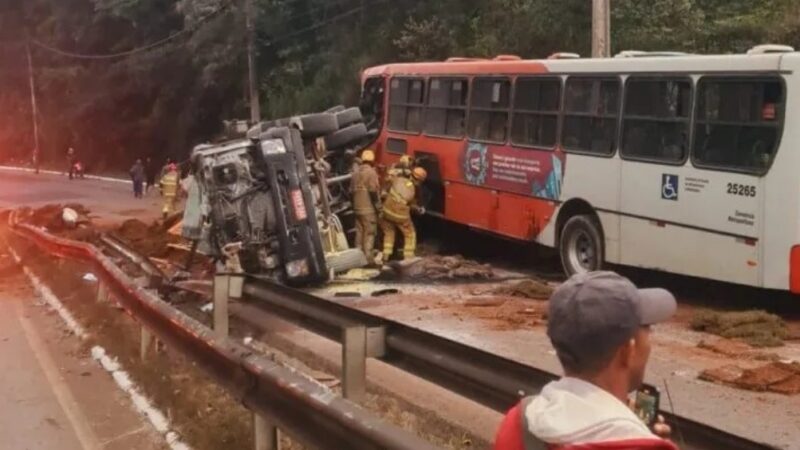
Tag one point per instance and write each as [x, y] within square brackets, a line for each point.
[346, 136]
[348, 117]
[335, 109]
[316, 125]
[581, 245]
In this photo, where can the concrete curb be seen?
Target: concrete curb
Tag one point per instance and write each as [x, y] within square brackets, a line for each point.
[53, 172]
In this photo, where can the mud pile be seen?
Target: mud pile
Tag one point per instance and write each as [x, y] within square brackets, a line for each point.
[778, 377]
[149, 240]
[50, 217]
[434, 268]
[529, 288]
[757, 328]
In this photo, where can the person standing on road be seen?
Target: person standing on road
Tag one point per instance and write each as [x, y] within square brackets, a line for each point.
[599, 324]
[137, 176]
[399, 201]
[71, 158]
[169, 189]
[150, 174]
[366, 190]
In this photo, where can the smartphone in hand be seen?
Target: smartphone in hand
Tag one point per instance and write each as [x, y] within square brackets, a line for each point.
[646, 404]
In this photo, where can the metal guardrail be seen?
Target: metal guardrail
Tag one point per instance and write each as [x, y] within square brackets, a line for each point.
[306, 411]
[492, 380]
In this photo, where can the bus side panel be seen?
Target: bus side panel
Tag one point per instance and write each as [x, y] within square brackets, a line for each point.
[781, 228]
[595, 180]
[522, 217]
[469, 205]
[689, 221]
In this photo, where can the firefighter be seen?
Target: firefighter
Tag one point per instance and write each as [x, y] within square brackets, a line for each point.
[399, 202]
[401, 168]
[366, 190]
[169, 188]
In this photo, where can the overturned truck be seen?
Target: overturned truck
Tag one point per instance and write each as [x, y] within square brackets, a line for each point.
[277, 203]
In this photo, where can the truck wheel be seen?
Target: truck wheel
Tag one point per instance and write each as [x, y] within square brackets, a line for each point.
[315, 125]
[348, 117]
[345, 136]
[335, 109]
[581, 245]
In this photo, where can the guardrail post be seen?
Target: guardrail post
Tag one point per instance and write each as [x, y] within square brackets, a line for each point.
[102, 292]
[354, 362]
[221, 297]
[265, 434]
[145, 343]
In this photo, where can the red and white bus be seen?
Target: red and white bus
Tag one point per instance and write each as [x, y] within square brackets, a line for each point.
[679, 163]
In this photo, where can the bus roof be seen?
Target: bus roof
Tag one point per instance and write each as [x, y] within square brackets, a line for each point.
[769, 62]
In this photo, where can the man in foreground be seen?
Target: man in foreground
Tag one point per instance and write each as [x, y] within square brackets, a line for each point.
[599, 324]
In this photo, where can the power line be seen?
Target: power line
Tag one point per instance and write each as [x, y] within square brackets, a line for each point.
[316, 26]
[134, 51]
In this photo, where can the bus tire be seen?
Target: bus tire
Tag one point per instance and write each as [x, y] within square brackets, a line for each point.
[348, 117]
[581, 245]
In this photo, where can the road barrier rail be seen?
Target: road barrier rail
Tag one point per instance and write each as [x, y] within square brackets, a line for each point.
[280, 397]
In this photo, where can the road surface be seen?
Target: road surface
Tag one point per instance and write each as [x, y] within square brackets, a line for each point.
[52, 395]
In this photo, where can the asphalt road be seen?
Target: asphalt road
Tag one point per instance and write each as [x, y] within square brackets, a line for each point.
[52, 395]
[111, 201]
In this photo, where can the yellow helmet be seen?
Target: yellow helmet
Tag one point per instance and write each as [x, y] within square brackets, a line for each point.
[419, 174]
[405, 160]
[368, 156]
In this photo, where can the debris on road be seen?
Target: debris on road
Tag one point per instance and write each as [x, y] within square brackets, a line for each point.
[150, 240]
[757, 328]
[382, 292]
[778, 377]
[735, 348]
[434, 268]
[528, 288]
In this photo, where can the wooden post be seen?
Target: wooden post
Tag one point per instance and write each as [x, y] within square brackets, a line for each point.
[601, 29]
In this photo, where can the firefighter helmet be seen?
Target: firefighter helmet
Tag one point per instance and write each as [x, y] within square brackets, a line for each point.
[368, 156]
[419, 174]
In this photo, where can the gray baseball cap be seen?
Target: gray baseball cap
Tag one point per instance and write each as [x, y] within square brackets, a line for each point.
[594, 313]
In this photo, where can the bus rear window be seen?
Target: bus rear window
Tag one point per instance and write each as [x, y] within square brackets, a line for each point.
[406, 98]
[655, 126]
[737, 123]
[488, 117]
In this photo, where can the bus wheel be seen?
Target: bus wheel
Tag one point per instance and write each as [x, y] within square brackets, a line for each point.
[581, 245]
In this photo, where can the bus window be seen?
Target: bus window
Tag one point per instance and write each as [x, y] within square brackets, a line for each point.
[488, 116]
[536, 105]
[406, 98]
[447, 107]
[737, 123]
[371, 105]
[591, 115]
[655, 125]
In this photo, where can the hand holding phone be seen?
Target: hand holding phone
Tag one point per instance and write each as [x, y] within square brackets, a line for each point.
[646, 404]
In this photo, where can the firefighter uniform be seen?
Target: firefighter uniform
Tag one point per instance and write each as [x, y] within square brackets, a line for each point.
[402, 168]
[169, 189]
[399, 201]
[365, 187]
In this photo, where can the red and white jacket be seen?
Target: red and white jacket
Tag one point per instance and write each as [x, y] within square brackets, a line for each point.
[571, 414]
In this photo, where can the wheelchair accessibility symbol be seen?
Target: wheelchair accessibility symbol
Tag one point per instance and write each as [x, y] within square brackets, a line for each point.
[669, 187]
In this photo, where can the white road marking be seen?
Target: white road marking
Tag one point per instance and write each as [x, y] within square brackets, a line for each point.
[59, 387]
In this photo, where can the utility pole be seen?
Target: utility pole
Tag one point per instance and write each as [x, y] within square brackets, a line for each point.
[255, 106]
[601, 28]
[34, 110]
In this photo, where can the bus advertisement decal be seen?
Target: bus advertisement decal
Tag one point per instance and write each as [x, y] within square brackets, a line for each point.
[528, 172]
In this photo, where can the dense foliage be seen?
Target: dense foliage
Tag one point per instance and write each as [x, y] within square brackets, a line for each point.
[164, 100]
